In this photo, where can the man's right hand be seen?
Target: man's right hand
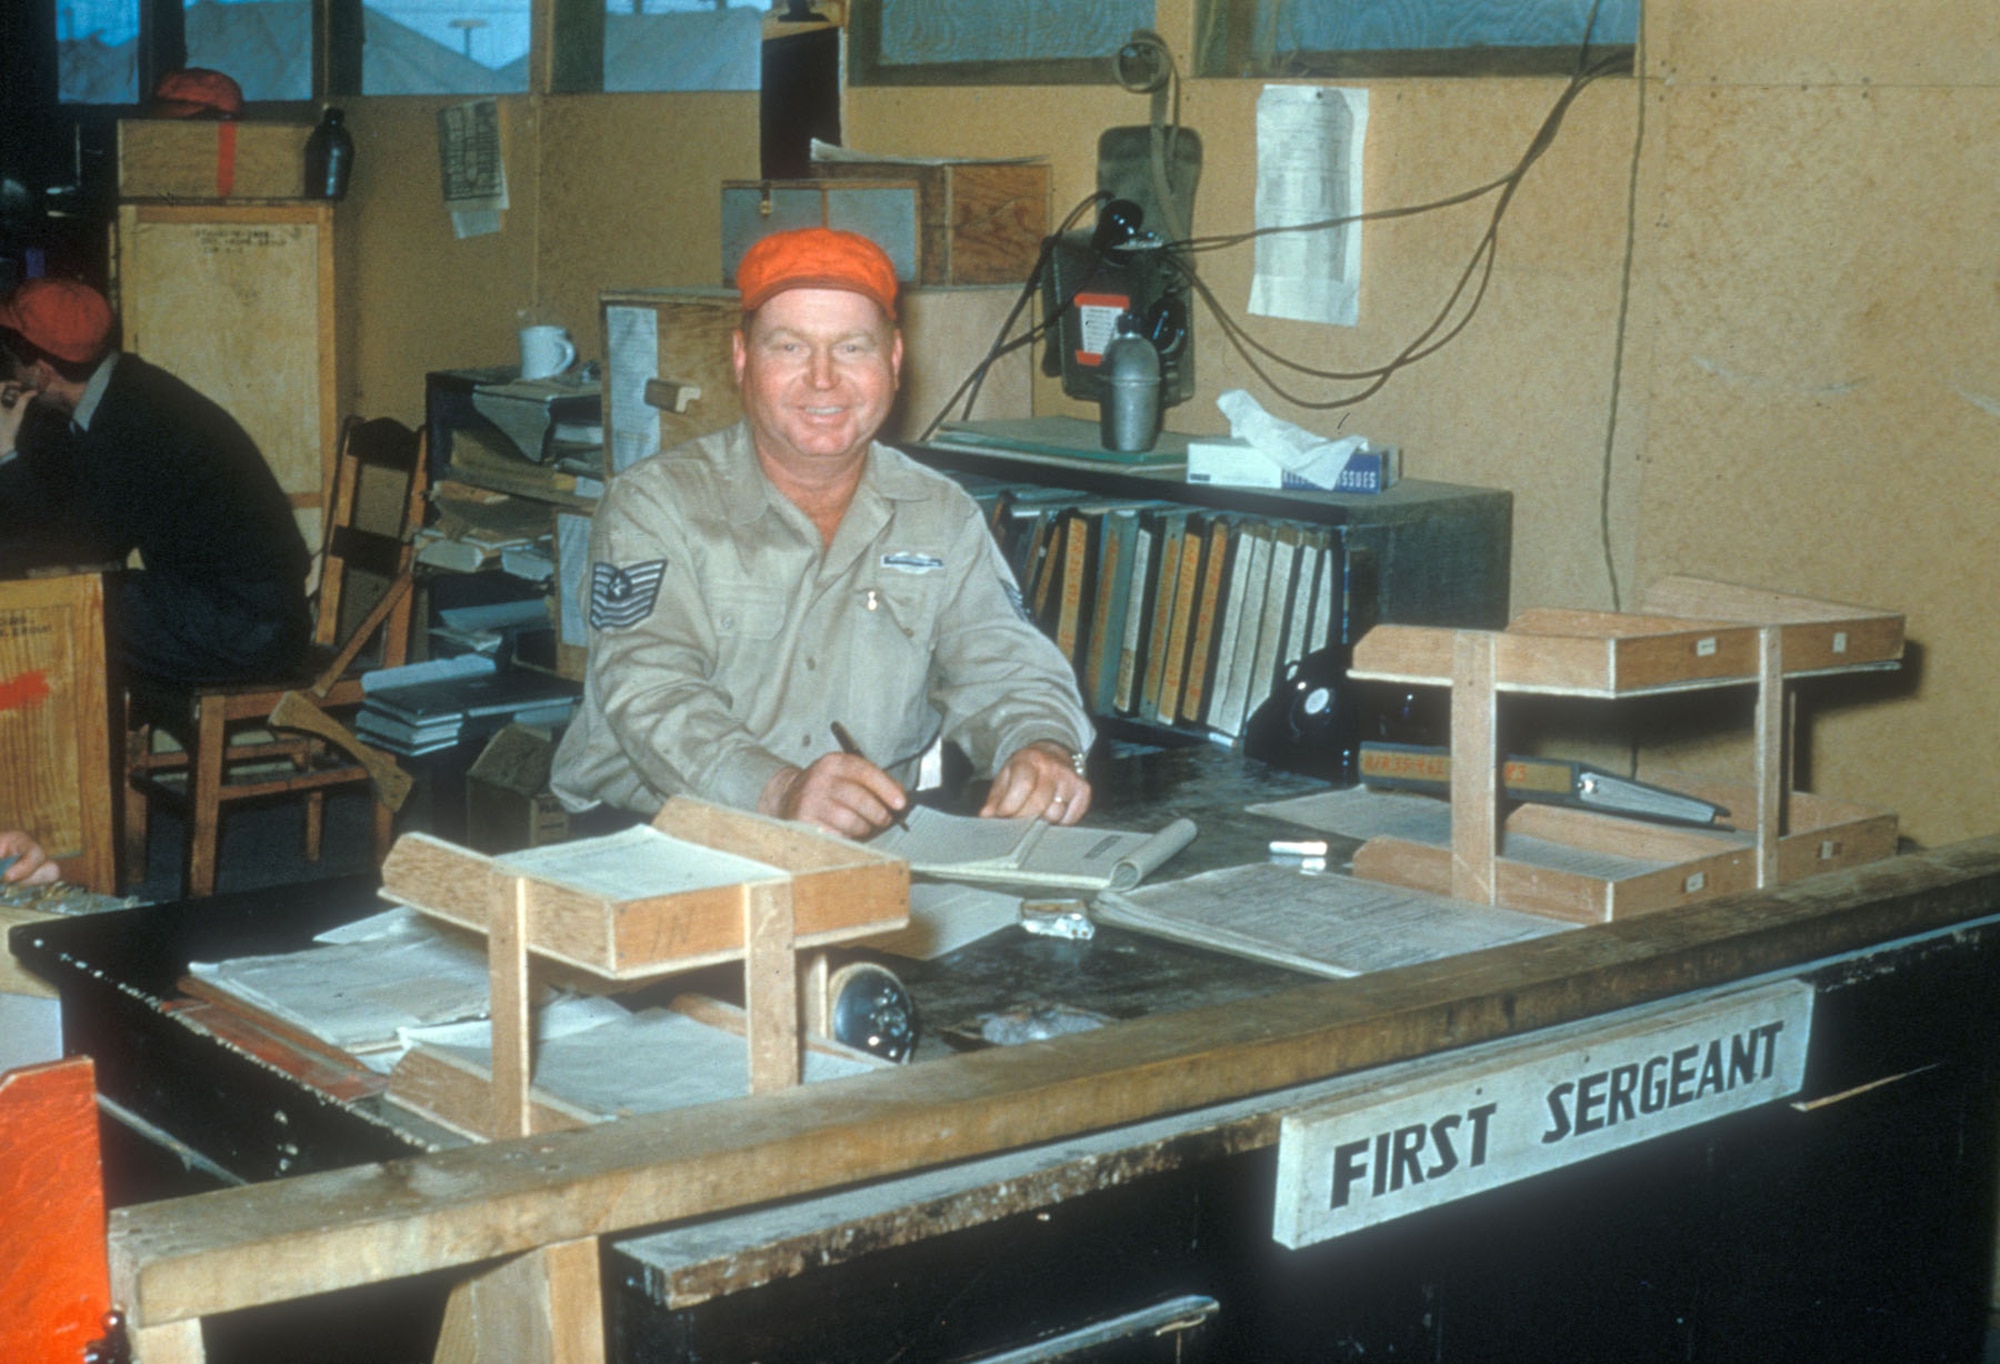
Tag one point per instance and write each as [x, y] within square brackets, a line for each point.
[14, 400]
[839, 793]
[30, 865]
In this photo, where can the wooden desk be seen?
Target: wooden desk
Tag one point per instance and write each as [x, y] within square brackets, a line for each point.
[55, 724]
[1119, 1168]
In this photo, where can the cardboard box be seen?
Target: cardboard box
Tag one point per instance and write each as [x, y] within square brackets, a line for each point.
[1232, 463]
[508, 804]
[182, 158]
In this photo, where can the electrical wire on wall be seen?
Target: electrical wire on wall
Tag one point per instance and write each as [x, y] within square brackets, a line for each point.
[968, 389]
[1436, 335]
[1452, 317]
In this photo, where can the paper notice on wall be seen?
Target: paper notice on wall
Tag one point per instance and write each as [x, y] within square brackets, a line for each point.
[1309, 141]
[474, 172]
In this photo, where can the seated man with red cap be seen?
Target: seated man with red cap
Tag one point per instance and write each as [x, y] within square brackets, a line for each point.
[102, 454]
[754, 591]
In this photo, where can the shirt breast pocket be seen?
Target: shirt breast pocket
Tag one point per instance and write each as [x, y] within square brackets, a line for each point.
[743, 611]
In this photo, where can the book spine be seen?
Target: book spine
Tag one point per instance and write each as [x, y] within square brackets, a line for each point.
[1187, 591]
[1166, 577]
[1069, 612]
[1234, 698]
[1202, 647]
[1107, 624]
[1134, 641]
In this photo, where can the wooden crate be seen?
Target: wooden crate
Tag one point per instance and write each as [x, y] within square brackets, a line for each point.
[181, 159]
[239, 301]
[55, 724]
[884, 210]
[982, 223]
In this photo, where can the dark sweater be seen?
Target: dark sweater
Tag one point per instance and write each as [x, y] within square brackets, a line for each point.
[167, 472]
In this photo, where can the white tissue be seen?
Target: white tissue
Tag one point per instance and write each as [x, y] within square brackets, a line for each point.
[1310, 458]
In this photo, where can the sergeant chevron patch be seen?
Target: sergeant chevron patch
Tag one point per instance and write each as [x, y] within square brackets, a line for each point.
[622, 597]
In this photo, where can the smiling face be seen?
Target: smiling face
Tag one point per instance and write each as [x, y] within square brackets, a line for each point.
[816, 371]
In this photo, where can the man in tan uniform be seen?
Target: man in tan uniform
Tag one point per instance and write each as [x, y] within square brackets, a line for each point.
[754, 589]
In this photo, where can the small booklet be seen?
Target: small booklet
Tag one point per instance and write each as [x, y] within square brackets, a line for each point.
[1031, 851]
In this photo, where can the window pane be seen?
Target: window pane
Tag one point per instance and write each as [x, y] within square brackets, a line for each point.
[451, 47]
[1357, 26]
[920, 32]
[989, 42]
[1418, 37]
[682, 45]
[264, 45]
[97, 43]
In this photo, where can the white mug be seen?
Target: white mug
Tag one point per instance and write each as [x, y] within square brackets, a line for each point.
[545, 352]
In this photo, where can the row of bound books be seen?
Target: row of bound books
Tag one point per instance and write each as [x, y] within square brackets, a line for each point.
[1171, 614]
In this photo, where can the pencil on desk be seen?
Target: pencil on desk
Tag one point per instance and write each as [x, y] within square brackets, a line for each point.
[853, 750]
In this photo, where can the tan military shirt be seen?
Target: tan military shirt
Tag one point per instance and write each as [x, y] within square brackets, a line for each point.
[726, 640]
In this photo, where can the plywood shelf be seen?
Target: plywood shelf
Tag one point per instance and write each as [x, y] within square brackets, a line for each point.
[704, 885]
[1698, 634]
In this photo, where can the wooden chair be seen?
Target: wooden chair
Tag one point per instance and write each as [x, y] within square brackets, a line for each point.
[219, 762]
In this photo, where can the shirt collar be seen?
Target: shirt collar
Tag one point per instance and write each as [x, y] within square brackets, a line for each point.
[93, 392]
[748, 494]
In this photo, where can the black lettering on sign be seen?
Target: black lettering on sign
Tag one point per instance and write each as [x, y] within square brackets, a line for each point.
[1403, 1157]
[1604, 1098]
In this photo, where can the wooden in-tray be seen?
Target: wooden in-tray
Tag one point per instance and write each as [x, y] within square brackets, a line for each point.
[840, 890]
[1672, 865]
[1719, 634]
[704, 884]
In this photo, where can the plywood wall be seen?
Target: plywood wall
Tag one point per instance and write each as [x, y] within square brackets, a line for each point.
[1742, 320]
[605, 191]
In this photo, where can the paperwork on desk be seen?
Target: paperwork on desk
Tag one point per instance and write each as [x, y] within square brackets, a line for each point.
[1363, 814]
[598, 1060]
[378, 988]
[945, 917]
[1330, 925]
[363, 984]
[1030, 851]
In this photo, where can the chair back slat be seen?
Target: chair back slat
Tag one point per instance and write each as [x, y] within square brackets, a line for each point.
[381, 444]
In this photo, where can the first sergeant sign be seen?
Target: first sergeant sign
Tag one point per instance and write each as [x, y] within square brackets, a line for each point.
[1514, 1109]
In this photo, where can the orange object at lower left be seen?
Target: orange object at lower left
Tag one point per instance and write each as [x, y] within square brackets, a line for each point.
[54, 1284]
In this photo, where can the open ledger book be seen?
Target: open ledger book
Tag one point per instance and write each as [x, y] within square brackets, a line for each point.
[1031, 851]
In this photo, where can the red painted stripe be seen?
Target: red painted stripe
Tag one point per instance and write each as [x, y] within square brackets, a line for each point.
[225, 159]
[20, 693]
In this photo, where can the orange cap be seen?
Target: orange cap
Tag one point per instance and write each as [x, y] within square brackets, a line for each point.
[197, 91]
[816, 258]
[64, 317]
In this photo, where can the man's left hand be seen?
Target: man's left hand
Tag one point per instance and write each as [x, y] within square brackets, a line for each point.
[1038, 780]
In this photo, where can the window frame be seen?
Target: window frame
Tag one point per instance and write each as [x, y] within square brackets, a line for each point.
[1225, 46]
[865, 65]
